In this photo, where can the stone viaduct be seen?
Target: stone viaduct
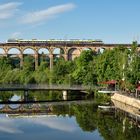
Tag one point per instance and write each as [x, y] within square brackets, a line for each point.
[67, 49]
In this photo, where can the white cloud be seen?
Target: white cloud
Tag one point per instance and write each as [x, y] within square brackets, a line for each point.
[46, 14]
[8, 126]
[55, 123]
[7, 10]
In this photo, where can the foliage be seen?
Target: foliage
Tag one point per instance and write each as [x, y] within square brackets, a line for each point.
[61, 72]
[119, 64]
[111, 125]
[83, 68]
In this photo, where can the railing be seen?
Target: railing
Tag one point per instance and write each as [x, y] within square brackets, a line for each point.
[107, 90]
[57, 42]
[44, 86]
[131, 94]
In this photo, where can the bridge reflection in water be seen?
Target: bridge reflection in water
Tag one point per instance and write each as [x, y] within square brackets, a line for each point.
[88, 116]
[37, 107]
[42, 109]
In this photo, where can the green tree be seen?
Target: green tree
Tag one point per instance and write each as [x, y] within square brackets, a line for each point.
[42, 74]
[133, 73]
[82, 67]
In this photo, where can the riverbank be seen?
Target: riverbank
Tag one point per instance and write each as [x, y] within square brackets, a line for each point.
[126, 100]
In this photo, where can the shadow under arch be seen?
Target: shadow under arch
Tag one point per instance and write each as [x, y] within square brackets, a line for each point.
[58, 54]
[14, 55]
[29, 57]
[58, 58]
[139, 52]
[73, 53]
[44, 56]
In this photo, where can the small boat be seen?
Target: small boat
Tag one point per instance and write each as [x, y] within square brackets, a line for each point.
[103, 107]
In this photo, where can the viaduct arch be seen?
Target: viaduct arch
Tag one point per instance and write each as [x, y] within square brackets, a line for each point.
[67, 49]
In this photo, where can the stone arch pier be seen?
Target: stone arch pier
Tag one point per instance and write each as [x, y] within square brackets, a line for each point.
[50, 50]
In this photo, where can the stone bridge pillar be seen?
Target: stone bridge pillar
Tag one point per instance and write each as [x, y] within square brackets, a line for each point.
[65, 95]
[36, 60]
[51, 61]
[6, 53]
[6, 108]
[21, 60]
[66, 57]
[26, 95]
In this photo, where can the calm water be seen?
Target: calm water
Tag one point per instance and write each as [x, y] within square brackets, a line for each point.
[49, 127]
[69, 120]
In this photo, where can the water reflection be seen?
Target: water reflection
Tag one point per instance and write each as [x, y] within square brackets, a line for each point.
[8, 126]
[33, 96]
[80, 119]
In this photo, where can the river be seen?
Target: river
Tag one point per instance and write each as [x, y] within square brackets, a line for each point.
[78, 119]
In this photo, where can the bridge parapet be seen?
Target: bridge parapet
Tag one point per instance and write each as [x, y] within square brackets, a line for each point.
[10, 87]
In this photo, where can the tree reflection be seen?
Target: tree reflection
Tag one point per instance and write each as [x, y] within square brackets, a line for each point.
[112, 125]
[5, 96]
[86, 117]
[109, 124]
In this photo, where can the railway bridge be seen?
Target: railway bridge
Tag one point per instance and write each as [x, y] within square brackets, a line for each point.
[67, 49]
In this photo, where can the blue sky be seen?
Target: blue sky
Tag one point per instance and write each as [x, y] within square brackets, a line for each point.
[113, 21]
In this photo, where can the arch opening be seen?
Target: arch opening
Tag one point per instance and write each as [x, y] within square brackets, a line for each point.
[44, 51]
[14, 51]
[58, 51]
[100, 50]
[44, 58]
[73, 53]
[15, 61]
[13, 54]
[87, 49]
[2, 51]
[29, 62]
[129, 49]
[57, 55]
[28, 51]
